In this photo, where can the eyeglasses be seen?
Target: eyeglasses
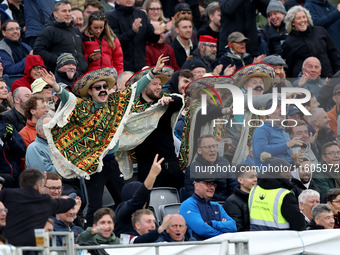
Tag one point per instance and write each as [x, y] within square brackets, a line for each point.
[13, 28]
[155, 9]
[336, 202]
[332, 153]
[209, 147]
[38, 68]
[4, 210]
[47, 87]
[53, 188]
[185, 12]
[99, 87]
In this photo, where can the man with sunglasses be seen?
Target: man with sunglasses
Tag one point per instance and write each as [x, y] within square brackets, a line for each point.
[59, 36]
[85, 143]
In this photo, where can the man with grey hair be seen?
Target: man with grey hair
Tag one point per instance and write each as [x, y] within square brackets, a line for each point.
[66, 70]
[322, 217]
[307, 200]
[16, 116]
[309, 77]
[58, 36]
[38, 154]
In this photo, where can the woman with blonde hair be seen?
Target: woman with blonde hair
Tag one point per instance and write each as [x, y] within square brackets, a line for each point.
[305, 40]
[101, 46]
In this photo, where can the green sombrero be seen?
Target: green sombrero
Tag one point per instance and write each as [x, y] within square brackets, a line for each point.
[165, 75]
[262, 70]
[81, 86]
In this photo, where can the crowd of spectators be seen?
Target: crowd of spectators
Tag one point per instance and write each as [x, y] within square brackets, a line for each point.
[131, 78]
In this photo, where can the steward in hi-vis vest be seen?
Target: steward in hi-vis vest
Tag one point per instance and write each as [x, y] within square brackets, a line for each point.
[272, 205]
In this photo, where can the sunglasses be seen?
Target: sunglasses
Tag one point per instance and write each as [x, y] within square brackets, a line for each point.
[47, 87]
[99, 87]
[185, 12]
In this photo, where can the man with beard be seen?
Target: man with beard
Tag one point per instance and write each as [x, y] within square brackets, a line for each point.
[16, 116]
[66, 71]
[80, 150]
[161, 140]
[206, 52]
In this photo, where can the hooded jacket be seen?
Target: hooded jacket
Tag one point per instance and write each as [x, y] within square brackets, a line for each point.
[56, 38]
[27, 80]
[230, 58]
[134, 196]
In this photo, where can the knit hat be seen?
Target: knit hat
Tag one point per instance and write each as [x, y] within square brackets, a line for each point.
[193, 63]
[207, 40]
[38, 85]
[276, 6]
[336, 89]
[274, 60]
[65, 59]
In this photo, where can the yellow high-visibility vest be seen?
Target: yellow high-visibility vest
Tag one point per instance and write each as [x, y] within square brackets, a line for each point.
[265, 208]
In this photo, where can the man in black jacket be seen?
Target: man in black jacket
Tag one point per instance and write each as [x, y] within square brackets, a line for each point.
[133, 29]
[135, 195]
[27, 205]
[60, 36]
[237, 204]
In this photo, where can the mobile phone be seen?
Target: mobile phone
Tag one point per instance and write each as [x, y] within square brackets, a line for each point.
[97, 51]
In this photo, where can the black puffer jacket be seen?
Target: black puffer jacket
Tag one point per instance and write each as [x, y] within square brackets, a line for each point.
[237, 208]
[56, 38]
[134, 45]
[314, 42]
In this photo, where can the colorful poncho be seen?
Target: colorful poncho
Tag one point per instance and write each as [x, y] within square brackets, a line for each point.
[80, 139]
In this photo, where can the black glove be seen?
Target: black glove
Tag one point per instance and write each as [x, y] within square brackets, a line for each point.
[7, 134]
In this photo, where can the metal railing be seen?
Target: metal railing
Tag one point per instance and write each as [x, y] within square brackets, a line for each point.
[241, 246]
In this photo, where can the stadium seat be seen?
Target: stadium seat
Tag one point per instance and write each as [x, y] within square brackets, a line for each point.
[168, 209]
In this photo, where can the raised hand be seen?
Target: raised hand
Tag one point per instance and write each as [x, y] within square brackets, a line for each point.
[160, 63]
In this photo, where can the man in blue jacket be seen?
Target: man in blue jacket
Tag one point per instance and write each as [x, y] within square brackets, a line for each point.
[204, 218]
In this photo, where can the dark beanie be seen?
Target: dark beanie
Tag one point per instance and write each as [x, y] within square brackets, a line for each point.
[65, 59]
[193, 63]
[276, 6]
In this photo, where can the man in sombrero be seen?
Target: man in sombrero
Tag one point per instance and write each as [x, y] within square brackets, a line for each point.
[85, 132]
[159, 138]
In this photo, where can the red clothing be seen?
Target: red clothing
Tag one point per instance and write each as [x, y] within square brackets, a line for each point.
[28, 133]
[27, 80]
[110, 57]
[154, 50]
[332, 115]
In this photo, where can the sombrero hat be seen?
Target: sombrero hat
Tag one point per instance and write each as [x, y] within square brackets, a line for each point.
[197, 85]
[165, 75]
[81, 86]
[255, 70]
